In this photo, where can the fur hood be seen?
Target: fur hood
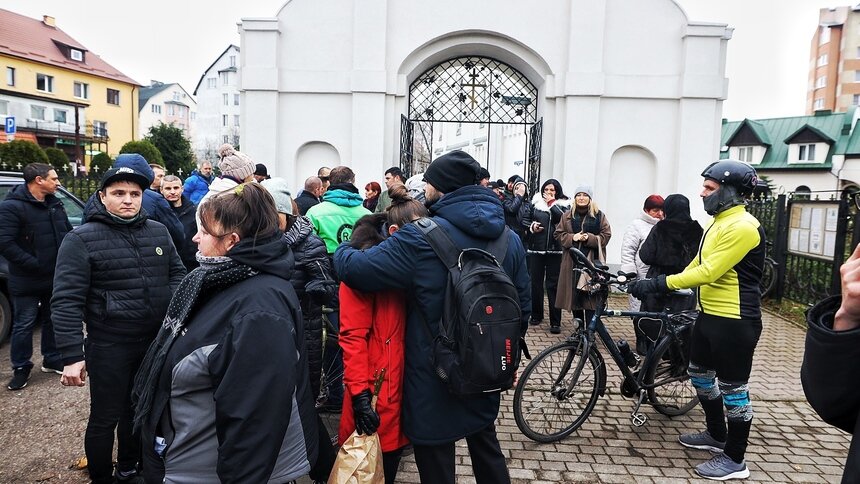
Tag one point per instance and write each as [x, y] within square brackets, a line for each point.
[540, 204]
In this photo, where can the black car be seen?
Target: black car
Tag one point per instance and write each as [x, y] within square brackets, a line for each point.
[74, 209]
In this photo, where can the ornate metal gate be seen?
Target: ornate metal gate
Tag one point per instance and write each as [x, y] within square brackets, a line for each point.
[535, 136]
[467, 90]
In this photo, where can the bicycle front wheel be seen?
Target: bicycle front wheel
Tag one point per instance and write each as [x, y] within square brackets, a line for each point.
[768, 277]
[548, 406]
[677, 396]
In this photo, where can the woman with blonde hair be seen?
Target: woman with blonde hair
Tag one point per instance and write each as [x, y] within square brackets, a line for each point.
[372, 330]
[585, 227]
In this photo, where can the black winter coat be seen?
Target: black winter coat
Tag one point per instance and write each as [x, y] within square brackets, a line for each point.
[829, 377]
[314, 285]
[116, 277]
[515, 208]
[549, 217]
[305, 201]
[232, 401]
[30, 235]
[668, 249]
[186, 214]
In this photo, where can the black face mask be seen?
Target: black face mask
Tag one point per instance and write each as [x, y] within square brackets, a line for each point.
[724, 198]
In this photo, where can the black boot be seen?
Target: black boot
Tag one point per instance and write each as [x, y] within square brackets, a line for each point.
[555, 328]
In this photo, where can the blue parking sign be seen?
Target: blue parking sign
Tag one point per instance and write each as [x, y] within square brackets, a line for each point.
[10, 124]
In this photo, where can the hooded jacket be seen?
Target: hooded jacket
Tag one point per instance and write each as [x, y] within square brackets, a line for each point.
[196, 186]
[233, 402]
[314, 285]
[472, 216]
[549, 217]
[117, 277]
[334, 217]
[829, 377]
[631, 242]
[305, 201]
[30, 235]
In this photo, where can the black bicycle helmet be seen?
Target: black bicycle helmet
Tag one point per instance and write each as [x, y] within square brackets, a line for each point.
[736, 173]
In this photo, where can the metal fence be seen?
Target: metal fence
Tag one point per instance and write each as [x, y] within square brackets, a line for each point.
[81, 186]
[802, 276]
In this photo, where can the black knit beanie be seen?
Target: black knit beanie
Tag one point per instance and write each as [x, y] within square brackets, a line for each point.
[452, 171]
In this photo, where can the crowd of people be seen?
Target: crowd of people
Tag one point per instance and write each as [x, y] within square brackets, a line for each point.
[194, 309]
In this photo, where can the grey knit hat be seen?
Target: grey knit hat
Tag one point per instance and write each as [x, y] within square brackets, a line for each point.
[586, 190]
[235, 164]
[280, 191]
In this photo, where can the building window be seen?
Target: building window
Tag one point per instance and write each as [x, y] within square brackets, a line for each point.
[76, 55]
[820, 82]
[232, 61]
[100, 129]
[44, 83]
[819, 104]
[822, 60]
[176, 95]
[113, 96]
[745, 153]
[855, 100]
[235, 140]
[223, 120]
[171, 110]
[226, 139]
[235, 99]
[37, 112]
[856, 76]
[235, 120]
[806, 152]
[82, 90]
[225, 79]
[59, 116]
[156, 108]
[193, 115]
[824, 37]
[10, 76]
[226, 98]
[211, 82]
[4, 107]
[858, 53]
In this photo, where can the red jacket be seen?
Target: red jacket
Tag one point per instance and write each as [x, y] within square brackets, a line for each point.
[372, 330]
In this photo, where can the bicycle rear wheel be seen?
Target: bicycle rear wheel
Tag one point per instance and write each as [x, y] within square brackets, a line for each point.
[544, 410]
[768, 277]
[676, 397]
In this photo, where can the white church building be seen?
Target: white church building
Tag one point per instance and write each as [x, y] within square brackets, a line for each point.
[623, 95]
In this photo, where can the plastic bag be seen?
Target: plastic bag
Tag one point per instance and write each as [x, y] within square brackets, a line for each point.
[359, 459]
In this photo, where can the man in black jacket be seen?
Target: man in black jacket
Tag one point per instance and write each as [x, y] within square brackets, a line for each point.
[829, 371]
[310, 196]
[117, 272]
[173, 191]
[33, 222]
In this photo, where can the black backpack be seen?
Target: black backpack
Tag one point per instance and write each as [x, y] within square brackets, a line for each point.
[479, 342]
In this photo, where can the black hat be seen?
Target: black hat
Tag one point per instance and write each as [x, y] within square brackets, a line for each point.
[452, 171]
[483, 174]
[125, 173]
[261, 170]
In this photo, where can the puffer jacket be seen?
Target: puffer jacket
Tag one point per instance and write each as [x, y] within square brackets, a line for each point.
[196, 186]
[334, 218]
[634, 236]
[30, 235]
[472, 216]
[233, 402]
[116, 277]
[549, 217]
[829, 377]
[314, 285]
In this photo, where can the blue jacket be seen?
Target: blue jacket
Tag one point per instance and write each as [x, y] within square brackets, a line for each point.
[472, 216]
[196, 186]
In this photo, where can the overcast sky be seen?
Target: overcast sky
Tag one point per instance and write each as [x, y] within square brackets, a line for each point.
[176, 40]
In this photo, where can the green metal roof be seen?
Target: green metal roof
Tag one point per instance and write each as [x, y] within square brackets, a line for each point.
[834, 128]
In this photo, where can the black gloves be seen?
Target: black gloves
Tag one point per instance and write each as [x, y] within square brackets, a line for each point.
[641, 288]
[366, 418]
[322, 291]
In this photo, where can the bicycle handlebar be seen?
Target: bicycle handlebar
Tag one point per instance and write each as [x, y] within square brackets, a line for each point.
[620, 278]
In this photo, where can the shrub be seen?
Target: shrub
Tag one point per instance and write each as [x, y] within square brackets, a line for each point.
[58, 159]
[17, 154]
[145, 149]
[102, 161]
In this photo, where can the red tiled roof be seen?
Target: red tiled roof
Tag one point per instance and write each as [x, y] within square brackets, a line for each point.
[29, 38]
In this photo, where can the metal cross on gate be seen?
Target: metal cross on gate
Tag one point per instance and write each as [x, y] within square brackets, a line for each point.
[473, 85]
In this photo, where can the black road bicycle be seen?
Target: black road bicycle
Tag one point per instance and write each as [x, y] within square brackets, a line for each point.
[559, 388]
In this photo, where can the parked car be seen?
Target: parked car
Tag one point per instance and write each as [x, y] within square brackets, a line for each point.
[74, 209]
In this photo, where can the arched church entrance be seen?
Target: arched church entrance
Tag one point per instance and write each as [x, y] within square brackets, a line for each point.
[479, 94]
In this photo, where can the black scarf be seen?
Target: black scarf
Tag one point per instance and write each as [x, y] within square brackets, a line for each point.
[206, 280]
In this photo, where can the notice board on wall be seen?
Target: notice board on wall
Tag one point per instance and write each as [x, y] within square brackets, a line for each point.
[812, 229]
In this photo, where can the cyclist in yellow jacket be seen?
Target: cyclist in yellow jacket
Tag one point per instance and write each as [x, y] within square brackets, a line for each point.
[727, 270]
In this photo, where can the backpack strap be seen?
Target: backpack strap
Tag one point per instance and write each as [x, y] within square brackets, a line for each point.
[441, 243]
[499, 247]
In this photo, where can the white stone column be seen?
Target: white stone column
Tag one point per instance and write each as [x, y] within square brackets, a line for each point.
[258, 85]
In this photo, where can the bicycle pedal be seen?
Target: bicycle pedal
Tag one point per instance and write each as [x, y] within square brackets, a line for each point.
[638, 419]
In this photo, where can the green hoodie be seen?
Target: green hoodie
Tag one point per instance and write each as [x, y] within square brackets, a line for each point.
[335, 216]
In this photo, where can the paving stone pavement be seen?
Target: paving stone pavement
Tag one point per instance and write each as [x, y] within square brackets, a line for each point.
[788, 442]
